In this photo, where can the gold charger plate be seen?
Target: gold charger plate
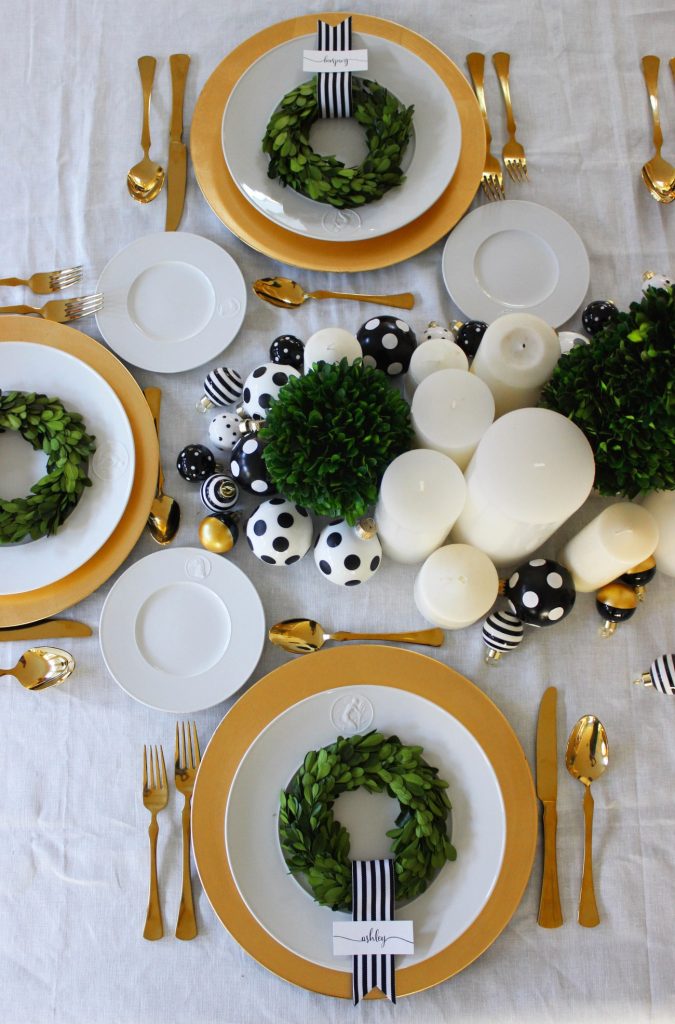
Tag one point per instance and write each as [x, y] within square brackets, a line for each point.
[325, 670]
[17, 609]
[234, 210]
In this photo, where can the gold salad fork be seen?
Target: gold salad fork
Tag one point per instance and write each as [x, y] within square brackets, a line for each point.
[187, 762]
[513, 153]
[155, 799]
[492, 178]
[48, 282]
[61, 311]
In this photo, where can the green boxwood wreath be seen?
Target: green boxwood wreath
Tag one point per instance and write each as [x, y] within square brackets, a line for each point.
[388, 127]
[316, 845]
[61, 434]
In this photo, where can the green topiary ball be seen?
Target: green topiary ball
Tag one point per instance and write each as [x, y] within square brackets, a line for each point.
[330, 436]
[619, 391]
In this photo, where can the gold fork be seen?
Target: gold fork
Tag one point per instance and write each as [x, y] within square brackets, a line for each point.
[187, 762]
[513, 153]
[50, 281]
[62, 311]
[155, 799]
[492, 178]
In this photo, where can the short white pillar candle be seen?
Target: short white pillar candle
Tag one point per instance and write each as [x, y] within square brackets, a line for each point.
[516, 357]
[431, 356]
[456, 586]
[661, 504]
[330, 345]
[619, 538]
[421, 494]
[532, 470]
[451, 410]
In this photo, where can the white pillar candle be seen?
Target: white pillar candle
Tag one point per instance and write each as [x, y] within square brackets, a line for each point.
[532, 470]
[661, 504]
[515, 359]
[456, 586]
[431, 356]
[451, 410]
[330, 345]
[421, 494]
[616, 540]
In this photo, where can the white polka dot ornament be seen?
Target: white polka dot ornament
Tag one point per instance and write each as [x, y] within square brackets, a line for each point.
[540, 592]
[436, 330]
[247, 465]
[219, 493]
[345, 558]
[222, 386]
[279, 532]
[224, 431]
[387, 343]
[652, 280]
[263, 385]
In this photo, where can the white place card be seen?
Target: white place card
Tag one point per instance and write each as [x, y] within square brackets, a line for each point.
[364, 938]
[326, 61]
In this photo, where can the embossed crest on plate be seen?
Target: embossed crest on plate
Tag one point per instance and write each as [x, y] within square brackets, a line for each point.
[110, 460]
[352, 713]
[229, 307]
[197, 568]
[337, 221]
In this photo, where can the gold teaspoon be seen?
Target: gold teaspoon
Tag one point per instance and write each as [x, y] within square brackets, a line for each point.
[586, 758]
[302, 636]
[282, 292]
[145, 179]
[657, 174]
[164, 518]
[41, 667]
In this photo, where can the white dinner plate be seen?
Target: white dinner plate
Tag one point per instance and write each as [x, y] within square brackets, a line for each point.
[512, 257]
[429, 162]
[182, 630]
[454, 899]
[172, 301]
[35, 564]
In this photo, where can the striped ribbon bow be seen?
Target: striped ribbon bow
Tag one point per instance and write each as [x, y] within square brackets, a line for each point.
[334, 89]
[373, 900]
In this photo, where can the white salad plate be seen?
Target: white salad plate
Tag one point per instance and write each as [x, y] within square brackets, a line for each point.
[182, 630]
[429, 162]
[25, 367]
[172, 301]
[461, 890]
[512, 257]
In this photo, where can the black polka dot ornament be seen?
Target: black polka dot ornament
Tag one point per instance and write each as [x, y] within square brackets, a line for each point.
[287, 350]
[247, 465]
[387, 343]
[224, 431]
[348, 555]
[219, 493]
[597, 315]
[470, 335]
[222, 386]
[263, 385]
[660, 675]
[195, 462]
[540, 592]
[219, 532]
[279, 532]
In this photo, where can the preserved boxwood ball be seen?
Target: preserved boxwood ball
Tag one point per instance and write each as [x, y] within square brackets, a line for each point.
[247, 465]
[540, 592]
[345, 558]
[387, 343]
[597, 315]
[224, 431]
[263, 385]
[470, 336]
[219, 493]
[287, 350]
[279, 532]
[195, 462]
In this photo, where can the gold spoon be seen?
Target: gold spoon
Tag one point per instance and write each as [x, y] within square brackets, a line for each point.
[164, 518]
[281, 291]
[586, 758]
[145, 179]
[302, 636]
[657, 174]
[41, 667]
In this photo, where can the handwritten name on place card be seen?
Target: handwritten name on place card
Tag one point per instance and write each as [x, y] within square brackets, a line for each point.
[361, 938]
[324, 61]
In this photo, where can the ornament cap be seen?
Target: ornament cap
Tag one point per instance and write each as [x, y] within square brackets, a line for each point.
[644, 679]
[204, 404]
[249, 425]
[365, 528]
[607, 629]
[493, 657]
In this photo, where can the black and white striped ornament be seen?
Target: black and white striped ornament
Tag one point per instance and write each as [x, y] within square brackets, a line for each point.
[219, 493]
[222, 386]
[661, 675]
[502, 631]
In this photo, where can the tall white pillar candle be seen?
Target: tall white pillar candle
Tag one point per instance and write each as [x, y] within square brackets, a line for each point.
[421, 494]
[619, 538]
[516, 357]
[456, 586]
[661, 504]
[532, 470]
[330, 345]
[451, 410]
[431, 356]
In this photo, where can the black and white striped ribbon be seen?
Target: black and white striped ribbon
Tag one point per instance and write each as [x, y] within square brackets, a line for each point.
[334, 89]
[373, 900]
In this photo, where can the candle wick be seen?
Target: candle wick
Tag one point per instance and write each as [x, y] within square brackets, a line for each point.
[453, 403]
[421, 486]
[539, 465]
[621, 533]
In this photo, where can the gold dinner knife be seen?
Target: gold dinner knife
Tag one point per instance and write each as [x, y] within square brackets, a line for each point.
[177, 170]
[550, 914]
[48, 629]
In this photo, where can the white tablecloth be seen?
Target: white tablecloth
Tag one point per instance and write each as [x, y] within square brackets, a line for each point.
[73, 832]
